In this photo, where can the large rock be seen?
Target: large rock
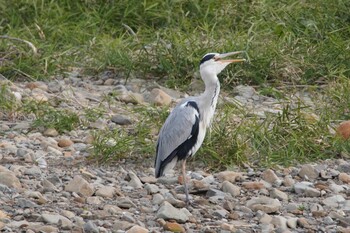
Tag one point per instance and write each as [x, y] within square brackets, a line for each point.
[137, 229]
[159, 97]
[169, 212]
[131, 97]
[334, 201]
[106, 191]
[307, 171]
[9, 179]
[229, 176]
[53, 218]
[81, 186]
[134, 180]
[306, 189]
[228, 187]
[270, 177]
[265, 204]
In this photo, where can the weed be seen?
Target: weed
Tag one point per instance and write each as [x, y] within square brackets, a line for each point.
[136, 141]
[8, 102]
[48, 117]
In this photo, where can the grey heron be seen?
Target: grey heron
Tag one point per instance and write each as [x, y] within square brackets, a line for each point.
[184, 130]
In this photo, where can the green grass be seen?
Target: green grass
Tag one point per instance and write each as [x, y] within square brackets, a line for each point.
[288, 41]
[291, 46]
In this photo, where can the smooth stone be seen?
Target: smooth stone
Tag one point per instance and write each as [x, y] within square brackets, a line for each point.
[137, 229]
[245, 91]
[215, 192]
[265, 218]
[220, 213]
[288, 181]
[93, 200]
[157, 199]
[50, 132]
[308, 172]
[10, 180]
[270, 177]
[253, 185]
[64, 142]
[275, 193]
[125, 203]
[334, 201]
[300, 187]
[279, 222]
[265, 204]
[337, 188]
[80, 185]
[106, 191]
[230, 176]
[90, 227]
[292, 222]
[33, 171]
[168, 212]
[228, 187]
[25, 203]
[52, 218]
[121, 120]
[160, 97]
[151, 188]
[344, 177]
[148, 179]
[134, 182]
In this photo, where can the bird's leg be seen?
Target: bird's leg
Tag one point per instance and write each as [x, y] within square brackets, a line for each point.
[185, 181]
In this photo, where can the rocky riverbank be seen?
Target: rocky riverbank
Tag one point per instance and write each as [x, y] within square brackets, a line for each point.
[47, 185]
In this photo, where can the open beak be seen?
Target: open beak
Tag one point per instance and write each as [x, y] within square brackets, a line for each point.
[220, 56]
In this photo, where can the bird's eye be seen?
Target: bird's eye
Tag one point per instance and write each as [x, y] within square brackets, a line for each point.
[216, 58]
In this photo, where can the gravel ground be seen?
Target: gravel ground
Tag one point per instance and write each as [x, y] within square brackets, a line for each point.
[47, 185]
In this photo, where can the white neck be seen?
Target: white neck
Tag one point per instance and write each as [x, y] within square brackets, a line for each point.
[210, 97]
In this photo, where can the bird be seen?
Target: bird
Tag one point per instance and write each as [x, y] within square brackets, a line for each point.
[184, 130]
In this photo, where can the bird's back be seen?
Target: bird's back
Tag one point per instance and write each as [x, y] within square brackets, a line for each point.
[178, 135]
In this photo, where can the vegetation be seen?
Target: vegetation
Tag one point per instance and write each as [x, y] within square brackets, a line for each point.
[289, 44]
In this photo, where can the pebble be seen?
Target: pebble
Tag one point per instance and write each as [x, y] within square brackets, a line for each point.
[308, 172]
[270, 177]
[253, 185]
[279, 222]
[169, 212]
[10, 180]
[265, 204]
[160, 97]
[121, 120]
[151, 188]
[230, 176]
[334, 201]
[135, 182]
[228, 187]
[275, 193]
[64, 142]
[106, 191]
[50, 132]
[137, 229]
[344, 177]
[80, 185]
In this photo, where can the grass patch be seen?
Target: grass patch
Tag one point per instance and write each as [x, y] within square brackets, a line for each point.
[136, 141]
[47, 116]
[296, 42]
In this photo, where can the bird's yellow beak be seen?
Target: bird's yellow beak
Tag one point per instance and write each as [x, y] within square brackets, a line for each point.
[220, 56]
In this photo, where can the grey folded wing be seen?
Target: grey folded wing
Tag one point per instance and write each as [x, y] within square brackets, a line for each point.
[177, 136]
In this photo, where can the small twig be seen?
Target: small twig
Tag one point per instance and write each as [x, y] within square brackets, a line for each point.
[131, 31]
[25, 74]
[30, 44]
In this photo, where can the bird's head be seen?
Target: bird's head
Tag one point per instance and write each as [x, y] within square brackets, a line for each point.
[214, 63]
